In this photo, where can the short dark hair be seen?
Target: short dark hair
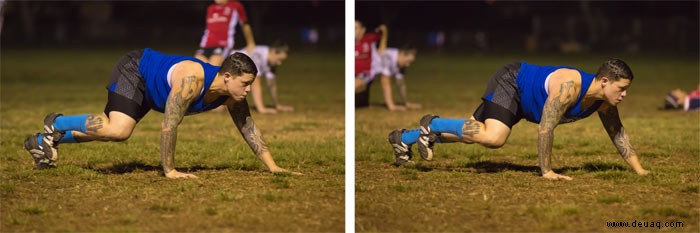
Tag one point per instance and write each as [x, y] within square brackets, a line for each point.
[238, 64]
[614, 69]
[279, 46]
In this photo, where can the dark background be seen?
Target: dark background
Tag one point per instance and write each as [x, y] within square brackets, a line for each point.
[162, 23]
[467, 26]
[543, 26]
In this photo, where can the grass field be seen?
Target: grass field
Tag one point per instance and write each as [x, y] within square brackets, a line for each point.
[471, 188]
[118, 187]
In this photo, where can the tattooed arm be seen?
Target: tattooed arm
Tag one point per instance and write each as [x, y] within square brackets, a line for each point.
[185, 88]
[272, 87]
[611, 121]
[403, 92]
[401, 84]
[256, 91]
[553, 111]
[388, 96]
[240, 114]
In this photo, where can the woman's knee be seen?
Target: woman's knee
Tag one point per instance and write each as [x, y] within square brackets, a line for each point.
[117, 134]
[495, 141]
[120, 126]
[495, 134]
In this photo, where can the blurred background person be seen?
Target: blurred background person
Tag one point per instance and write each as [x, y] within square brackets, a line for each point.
[393, 63]
[268, 59]
[218, 40]
[679, 99]
[365, 49]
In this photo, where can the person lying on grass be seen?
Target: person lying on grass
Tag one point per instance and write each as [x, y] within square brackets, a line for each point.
[174, 85]
[547, 95]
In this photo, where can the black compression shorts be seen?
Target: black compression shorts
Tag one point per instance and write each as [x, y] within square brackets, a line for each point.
[126, 88]
[207, 52]
[501, 100]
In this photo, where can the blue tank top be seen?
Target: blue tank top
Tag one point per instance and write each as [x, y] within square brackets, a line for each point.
[154, 67]
[531, 82]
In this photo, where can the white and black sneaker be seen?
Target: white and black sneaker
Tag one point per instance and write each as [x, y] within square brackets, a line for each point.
[427, 137]
[44, 156]
[402, 152]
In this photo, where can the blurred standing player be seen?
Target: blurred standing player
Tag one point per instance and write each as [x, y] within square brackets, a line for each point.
[267, 59]
[547, 95]
[2, 14]
[217, 41]
[174, 85]
[364, 50]
[393, 63]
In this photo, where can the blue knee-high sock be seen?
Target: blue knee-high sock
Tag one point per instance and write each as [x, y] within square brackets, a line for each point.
[68, 138]
[69, 123]
[446, 125]
[40, 139]
[410, 136]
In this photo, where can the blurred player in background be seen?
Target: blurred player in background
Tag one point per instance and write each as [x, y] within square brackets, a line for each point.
[267, 59]
[364, 50]
[547, 95]
[218, 38]
[679, 99]
[174, 85]
[2, 14]
[393, 63]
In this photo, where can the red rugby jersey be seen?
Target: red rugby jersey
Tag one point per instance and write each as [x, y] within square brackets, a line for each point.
[363, 52]
[221, 24]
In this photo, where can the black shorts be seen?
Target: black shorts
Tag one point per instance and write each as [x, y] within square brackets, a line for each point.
[127, 88]
[501, 101]
[207, 52]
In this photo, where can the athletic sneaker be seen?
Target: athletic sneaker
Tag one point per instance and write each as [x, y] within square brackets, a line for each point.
[44, 156]
[427, 137]
[51, 132]
[402, 152]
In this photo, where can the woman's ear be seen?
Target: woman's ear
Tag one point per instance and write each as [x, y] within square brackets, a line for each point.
[604, 81]
[226, 76]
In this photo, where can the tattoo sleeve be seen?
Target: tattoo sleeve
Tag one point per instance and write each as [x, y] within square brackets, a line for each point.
[387, 92]
[613, 126]
[554, 109]
[240, 113]
[401, 83]
[175, 108]
[272, 87]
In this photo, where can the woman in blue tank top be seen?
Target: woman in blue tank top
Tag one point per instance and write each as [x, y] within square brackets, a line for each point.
[174, 85]
[546, 95]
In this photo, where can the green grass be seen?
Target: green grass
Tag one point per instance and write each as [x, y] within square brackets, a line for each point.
[471, 188]
[610, 199]
[118, 186]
